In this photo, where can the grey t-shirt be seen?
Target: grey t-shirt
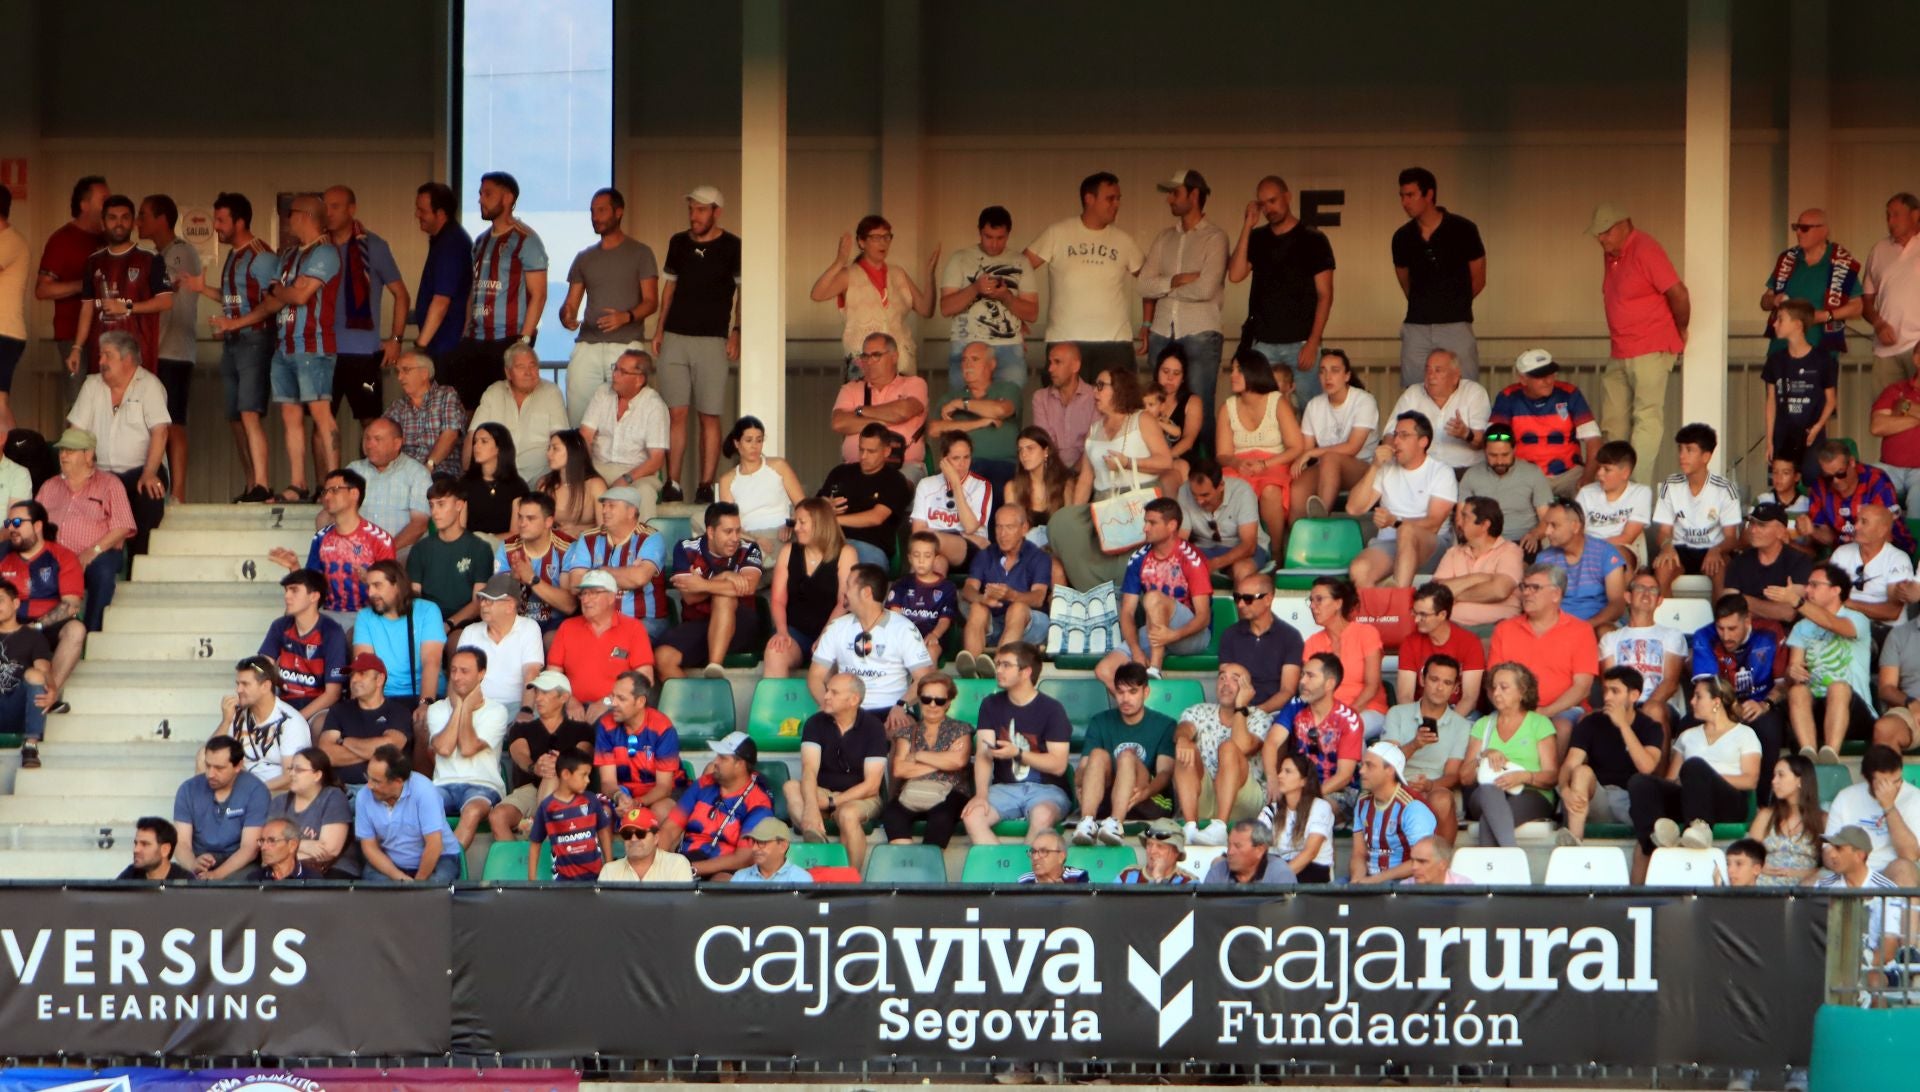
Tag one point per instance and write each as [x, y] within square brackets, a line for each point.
[1403, 723]
[1237, 506]
[177, 325]
[1903, 648]
[1521, 491]
[613, 281]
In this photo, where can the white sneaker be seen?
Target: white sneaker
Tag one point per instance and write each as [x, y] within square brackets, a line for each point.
[1666, 833]
[1698, 835]
[1213, 834]
[1742, 1080]
[1084, 833]
[1153, 672]
[1193, 834]
[1796, 1080]
[1265, 818]
[1111, 833]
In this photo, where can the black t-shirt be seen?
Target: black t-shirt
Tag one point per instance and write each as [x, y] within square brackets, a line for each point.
[863, 492]
[1746, 575]
[353, 722]
[490, 505]
[844, 755]
[18, 651]
[1799, 393]
[1263, 656]
[1282, 298]
[174, 872]
[1038, 723]
[1606, 751]
[1439, 284]
[704, 276]
[571, 733]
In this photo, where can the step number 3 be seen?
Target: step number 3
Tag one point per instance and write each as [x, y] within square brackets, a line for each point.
[204, 650]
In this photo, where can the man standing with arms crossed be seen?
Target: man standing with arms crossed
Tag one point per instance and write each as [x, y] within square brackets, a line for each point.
[366, 270]
[1181, 285]
[698, 335]
[246, 276]
[509, 292]
[620, 283]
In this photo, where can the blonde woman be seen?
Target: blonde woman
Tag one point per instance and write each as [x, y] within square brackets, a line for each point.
[809, 587]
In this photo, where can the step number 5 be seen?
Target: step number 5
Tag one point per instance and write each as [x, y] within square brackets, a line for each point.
[204, 650]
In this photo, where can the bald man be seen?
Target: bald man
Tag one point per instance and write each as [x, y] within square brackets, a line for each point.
[396, 500]
[1822, 273]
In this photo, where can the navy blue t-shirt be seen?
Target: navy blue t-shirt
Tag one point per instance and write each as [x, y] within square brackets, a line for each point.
[924, 604]
[1037, 723]
[448, 272]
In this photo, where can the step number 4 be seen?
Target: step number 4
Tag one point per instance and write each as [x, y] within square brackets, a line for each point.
[204, 650]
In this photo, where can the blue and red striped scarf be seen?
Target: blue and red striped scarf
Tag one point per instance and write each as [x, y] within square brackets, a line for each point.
[359, 280]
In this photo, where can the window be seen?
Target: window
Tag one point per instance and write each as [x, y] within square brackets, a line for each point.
[537, 102]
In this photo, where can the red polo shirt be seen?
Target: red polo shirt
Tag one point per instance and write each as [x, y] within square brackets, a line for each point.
[592, 661]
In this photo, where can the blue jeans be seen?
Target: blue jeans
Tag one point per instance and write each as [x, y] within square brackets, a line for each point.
[1306, 384]
[245, 358]
[445, 871]
[1009, 365]
[18, 713]
[869, 554]
[1016, 800]
[1203, 369]
[99, 577]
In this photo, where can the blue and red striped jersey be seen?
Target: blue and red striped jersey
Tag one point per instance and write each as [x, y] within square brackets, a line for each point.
[1391, 831]
[309, 662]
[593, 551]
[694, 555]
[641, 756]
[245, 277]
[1547, 432]
[717, 823]
[344, 559]
[573, 826]
[308, 328]
[501, 262]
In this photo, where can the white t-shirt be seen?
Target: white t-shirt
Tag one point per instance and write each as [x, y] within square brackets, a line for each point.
[1089, 281]
[1469, 400]
[1724, 754]
[1606, 519]
[1319, 821]
[505, 680]
[1645, 649]
[1854, 806]
[986, 320]
[626, 440]
[1329, 424]
[490, 724]
[1405, 492]
[1698, 520]
[1892, 277]
[898, 651]
[1888, 568]
[934, 503]
[271, 743]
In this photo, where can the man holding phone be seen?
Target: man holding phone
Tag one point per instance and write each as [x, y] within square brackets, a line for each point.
[1433, 737]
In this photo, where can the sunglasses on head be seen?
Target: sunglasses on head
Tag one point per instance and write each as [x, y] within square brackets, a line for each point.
[1158, 835]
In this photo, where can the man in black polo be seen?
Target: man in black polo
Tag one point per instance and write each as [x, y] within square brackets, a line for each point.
[843, 761]
[1441, 266]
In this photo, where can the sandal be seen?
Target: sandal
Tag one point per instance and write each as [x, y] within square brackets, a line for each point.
[258, 494]
[292, 494]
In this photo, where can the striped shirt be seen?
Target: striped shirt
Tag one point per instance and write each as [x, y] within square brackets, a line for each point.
[501, 262]
[574, 827]
[308, 327]
[1390, 831]
[547, 566]
[86, 515]
[1880, 911]
[594, 551]
[1547, 432]
[642, 756]
[245, 277]
[343, 559]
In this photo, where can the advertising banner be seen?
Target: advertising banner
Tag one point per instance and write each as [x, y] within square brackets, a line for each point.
[367, 1079]
[199, 970]
[1139, 975]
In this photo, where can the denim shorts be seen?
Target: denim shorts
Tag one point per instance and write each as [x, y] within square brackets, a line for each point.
[1017, 799]
[302, 377]
[461, 793]
[1036, 633]
[245, 358]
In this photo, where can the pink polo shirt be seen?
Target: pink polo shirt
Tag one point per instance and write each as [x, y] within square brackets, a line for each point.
[85, 517]
[1634, 290]
[854, 394]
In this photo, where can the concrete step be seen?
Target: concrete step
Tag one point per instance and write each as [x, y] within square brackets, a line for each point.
[187, 618]
[159, 778]
[182, 705]
[229, 568]
[199, 542]
[130, 732]
[91, 863]
[97, 672]
[118, 811]
[250, 516]
[181, 643]
[223, 593]
[67, 752]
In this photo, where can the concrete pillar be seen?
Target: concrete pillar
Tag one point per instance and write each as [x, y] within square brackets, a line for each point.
[1809, 151]
[761, 216]
[902, 188]
[1703, 389]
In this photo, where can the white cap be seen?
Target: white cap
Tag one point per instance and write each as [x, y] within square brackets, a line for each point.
[551, 680]
[600, 579]
[706, 195]
[1534, 362]
[1392, 755]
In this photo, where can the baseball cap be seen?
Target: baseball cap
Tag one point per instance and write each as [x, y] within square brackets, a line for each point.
[625, 494]
[770, 830]
[1165, 830]
[551, 680]
[1191, 179]
[1535, 362]
[1392, 755]
[737, 744]
[367, 661]
[638, 819]
[706, 195]
[601, 579]
[501, 586]
[1605, 216]
[75, 439]
[1769, 512]
[1853, 837]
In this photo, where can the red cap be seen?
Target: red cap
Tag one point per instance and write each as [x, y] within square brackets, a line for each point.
[366, 661]
[639, 819]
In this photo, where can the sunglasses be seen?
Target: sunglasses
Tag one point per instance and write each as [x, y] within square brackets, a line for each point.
[1806, 227]
[635, 835]
[934, 699]
[16, 521]
[1213, 532]
[1250, 599]
[1158, 835]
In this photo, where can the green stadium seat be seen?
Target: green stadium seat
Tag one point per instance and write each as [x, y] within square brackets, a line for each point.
[1832, 780]
[1084, 699]
[1913, 527]
[1175, 696]
[507, 861]
[778, 709]
[1316, 547]
[763, 632]
[1004, 863]
[1911, 773]
[701, 709]
[12, 741]
[1722, 832]
[969, 693]
[1222, 617]
[776, 774]
[811, 855]
[1103, 863]
[906, 864]
[677, 529]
